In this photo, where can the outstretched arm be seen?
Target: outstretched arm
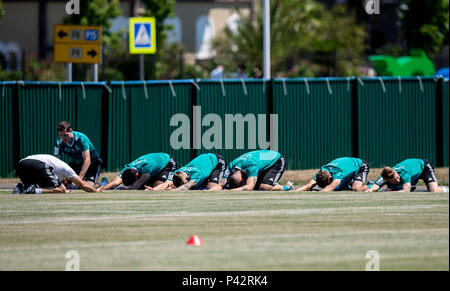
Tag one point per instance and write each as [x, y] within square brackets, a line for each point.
[87, 162]
[83, 185]
[189, 185]
[113, 184]
[332, 186]
[249, 186]
[308, 186]
[139, 183]
[167, 185]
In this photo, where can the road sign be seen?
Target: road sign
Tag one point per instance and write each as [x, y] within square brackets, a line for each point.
[77, 53]
[77, 44]
[142, 35]
[77, 34]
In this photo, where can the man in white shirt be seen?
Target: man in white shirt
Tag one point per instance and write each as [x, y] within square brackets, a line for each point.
[44, 174]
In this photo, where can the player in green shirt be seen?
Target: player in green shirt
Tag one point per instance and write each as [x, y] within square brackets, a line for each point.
[404, 176]
[257, 170]
[146, 172]
[340, 174]
[86, 162]
[204, 172]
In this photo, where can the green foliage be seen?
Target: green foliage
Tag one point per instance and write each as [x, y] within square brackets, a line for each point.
[426, 24]
[10, 76]
[306, 40]
[165, 64]
[340, 41]
[160, 9]
[98, 12]
[43, 69]
[2, 12]
[95, 12]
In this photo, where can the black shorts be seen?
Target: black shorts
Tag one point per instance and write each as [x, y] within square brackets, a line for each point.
[93, 171]
[362, 173]
[218, 173]
[165, 174]
[272, 175]
[34, 172]
[428, 175]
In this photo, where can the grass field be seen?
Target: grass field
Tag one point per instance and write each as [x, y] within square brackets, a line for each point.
[241, 231]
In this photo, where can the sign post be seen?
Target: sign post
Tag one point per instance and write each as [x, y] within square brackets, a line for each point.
[77, 44]
[142, 39]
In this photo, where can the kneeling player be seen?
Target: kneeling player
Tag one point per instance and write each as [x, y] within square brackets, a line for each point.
[404, 176]
[204, 172]
[44, 174]
[148, 170]
[257, 170]
[340, 174]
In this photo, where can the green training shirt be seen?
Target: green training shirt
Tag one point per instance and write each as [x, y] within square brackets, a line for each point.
[151, 164]
[253, 163]
[200, 168]
[80, 144]
[343, 169]
[409, 171]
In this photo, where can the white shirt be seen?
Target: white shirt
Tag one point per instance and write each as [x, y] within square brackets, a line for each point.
[60, 168]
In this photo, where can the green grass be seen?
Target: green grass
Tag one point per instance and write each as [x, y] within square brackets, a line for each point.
[241, 231]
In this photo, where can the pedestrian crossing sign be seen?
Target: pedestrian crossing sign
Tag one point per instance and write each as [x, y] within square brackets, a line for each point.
[142, 35]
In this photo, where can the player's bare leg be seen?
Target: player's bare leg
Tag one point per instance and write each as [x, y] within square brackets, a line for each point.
[359, 186]
[266, 187]
[434, 187]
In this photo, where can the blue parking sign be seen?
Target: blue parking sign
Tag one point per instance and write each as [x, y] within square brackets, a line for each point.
[90, 35]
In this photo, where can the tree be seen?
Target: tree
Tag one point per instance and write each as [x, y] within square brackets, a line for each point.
[160, 9]
[306, 39]
[96, 12]
[425, 24]
[2, 12]
[340, 43]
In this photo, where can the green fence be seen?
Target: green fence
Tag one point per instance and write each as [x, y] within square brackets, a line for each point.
[239, 107]
[445, 123]
[397, 120]
[7, 129]
[382, 120]
[42, 106]
[139, 120]
[315, 120]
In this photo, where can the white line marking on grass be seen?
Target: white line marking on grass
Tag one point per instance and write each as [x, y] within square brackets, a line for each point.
[222, 213]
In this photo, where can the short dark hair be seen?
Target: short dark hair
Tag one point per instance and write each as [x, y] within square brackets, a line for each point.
[177, 179]
[64, 126]
[129, 176]
[233, 183]
[322, 178]
[387, 173]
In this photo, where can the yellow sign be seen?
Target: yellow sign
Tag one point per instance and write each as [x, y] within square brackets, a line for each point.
[142, 35]
[77, 53]
[77, 34]
[77, 44]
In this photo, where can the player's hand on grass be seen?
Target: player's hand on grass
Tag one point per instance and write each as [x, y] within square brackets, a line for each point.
[148, 188]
